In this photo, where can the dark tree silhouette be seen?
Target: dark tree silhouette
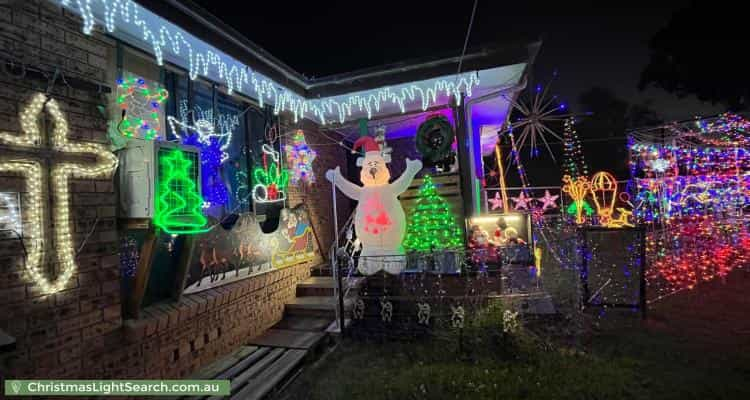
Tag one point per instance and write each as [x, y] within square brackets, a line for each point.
[603, 132]
[700, 52]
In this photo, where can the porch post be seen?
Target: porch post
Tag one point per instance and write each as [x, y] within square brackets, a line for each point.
[464, 159]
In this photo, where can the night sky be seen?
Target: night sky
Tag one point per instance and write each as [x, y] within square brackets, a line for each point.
[587, 43]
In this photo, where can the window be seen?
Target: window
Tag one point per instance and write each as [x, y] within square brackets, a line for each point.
[231, 118]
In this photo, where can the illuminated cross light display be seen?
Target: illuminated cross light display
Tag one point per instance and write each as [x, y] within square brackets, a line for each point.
[30, 168]
[205, 60]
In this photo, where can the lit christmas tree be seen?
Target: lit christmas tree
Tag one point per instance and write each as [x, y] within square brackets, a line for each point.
[573, 163]
[178, 201]
[431, 226]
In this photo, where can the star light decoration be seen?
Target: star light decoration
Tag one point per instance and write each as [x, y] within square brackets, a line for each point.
[537, 110]
[548, 200]
[299, 157]
[496, 202]
[522, 202]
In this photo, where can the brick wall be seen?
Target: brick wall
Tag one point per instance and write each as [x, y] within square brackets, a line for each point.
[53, 331]
[79, 332]
[318, 195]
[173, 340]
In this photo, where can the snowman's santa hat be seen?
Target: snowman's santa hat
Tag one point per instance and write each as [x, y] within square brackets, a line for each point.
[371, 148]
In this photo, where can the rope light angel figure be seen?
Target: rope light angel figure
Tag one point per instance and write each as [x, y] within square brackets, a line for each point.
[202, 133]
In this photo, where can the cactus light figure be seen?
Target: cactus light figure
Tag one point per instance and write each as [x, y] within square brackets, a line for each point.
[577, 190]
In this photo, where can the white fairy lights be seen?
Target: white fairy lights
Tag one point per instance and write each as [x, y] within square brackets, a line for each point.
[202, 59]
[60, 175]
[9, 218]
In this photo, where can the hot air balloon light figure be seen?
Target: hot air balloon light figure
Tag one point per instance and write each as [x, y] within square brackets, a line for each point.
[604, 191]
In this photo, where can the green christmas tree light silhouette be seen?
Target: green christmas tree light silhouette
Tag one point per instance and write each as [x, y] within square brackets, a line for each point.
[178, 203]
[573, 209]
[432, 225]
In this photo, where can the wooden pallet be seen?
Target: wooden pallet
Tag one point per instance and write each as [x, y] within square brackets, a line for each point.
[257, 374]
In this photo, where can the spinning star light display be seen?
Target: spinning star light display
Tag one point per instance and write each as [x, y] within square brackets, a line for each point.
[537, 111]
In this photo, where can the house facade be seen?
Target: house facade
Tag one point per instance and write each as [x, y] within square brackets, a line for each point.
[95, 281]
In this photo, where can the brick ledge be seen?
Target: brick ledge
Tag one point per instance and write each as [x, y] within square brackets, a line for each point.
[160, 317]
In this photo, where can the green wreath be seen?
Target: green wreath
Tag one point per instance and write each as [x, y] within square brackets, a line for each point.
[434, 139]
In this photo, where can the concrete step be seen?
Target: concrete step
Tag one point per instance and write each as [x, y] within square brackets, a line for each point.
[324, 285]
[323, 269]
[315, 306]
[302, 323]
[289, 339]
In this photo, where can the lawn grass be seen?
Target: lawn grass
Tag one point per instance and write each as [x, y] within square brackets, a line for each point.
[629, 363]
[695, 345]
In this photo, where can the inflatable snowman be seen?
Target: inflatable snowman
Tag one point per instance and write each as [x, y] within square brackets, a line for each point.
[379, 219]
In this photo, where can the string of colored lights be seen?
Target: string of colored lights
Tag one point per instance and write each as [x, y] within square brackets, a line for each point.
[60, 175]
[299, 157]
[203, 59]
[692, 192]
[574, 164]
[697, 249]
[134, 91]
[696, 180]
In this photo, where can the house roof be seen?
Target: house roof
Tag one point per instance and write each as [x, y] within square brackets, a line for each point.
[181, 32]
